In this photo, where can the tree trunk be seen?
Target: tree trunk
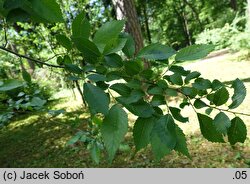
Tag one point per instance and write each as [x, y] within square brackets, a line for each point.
[126, 9]
[146, 22]
[233, 4]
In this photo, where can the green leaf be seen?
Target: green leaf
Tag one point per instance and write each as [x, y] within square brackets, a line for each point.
[129, 48]
[37, 102]
[113, 61]
[191, 76]
[156, 90]
[239, 93]
[193, 52]
[134, 96]
[176, 79]
[73, 68]
[179, 69]
[221, 96]
[96, 77]
[189, 91]
[156, 51]
[141, 108]
[26, 76]
[202, 84]
[158, 100]
[121, 89]
[181, 142]
[222, 123]
[64, 41]
[171, 92]
[97, 100]
[142, 131]
[133, 67]
[88, 49]
[48, 10]
[95, 152]
[237, 131]
[208, 129]
[113, 129]
[163, 137]
[216, 84]
[177, 114]
[10, 84]
[198, 104]
[74, 139]
[80, 27]
[114, 46]
[107, 32]
[17, 15]
[208, 110]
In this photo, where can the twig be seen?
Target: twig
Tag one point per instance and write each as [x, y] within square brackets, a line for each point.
[31, 59]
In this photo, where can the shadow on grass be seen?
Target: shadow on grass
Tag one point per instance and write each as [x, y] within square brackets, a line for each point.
[40, 142]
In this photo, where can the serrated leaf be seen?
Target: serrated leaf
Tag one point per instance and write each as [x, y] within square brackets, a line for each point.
[176, 113]
[88, 49]
[179, 69]
[97, 100]
[73, 139]
[133, 97]
[156, 90]
[156, 51]
[216, 84]
[80, 27]
[239, 93]
[198, 104]
[114, 46]
[121, 89]
[208, 129]
[176, 79]
[47, 9]
[237, 132]
[133, 67]
[208, 110]
[64, 41]
[189, 91]
[142, 131]
[140, 109]
[191, 76]
[163, 137]
[113, 61]
[181, 142]
[113, 129]
[158, 100]
[37, 102]
[129, 48]
[107, 32]
[202, 84]
[193, 52]
[222, 123]
[221, 96]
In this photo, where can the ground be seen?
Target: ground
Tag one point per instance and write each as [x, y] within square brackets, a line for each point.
[39, 141]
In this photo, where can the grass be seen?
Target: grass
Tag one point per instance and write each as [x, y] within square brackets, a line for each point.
[36, 140]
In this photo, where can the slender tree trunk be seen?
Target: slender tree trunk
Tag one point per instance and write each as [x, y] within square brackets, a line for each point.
[126, 9]
[144, 9]
[186, 28]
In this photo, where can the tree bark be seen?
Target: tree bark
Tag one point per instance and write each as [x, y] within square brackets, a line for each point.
[233, 4]
[146, 22]
[125, 9]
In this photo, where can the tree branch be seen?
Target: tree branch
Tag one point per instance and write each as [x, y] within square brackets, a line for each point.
[31, 59]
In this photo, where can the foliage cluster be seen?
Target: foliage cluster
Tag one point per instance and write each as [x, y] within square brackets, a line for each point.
[106, 62]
